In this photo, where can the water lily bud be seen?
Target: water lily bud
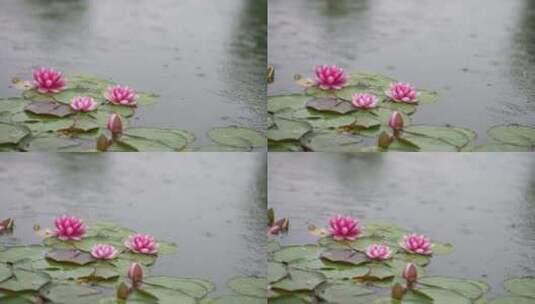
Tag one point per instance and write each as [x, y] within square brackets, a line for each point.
[410, 274]
[398, 291]
[384, 140]
[396, 121]
[122, 291]
[135, 274]
[115, 124]
[102, 143]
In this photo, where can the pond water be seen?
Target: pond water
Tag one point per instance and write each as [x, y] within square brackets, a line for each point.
[483, 204]
[206, 59]
[216, 217]
[478, 54]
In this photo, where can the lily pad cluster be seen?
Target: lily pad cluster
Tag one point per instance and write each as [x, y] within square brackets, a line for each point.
[331, 271]
[38, 121]
[59, 271]
[326, 121]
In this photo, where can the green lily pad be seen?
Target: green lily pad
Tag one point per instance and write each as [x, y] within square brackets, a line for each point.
[12, 134]
[153, 139]
[5, 272]
[49, 108]
[332, 142]
[20, 253]
[237, 137]
[249, 286]
[283, 102]
[341, 293]
[286, 129]
[233, 299]
[512, 300]
[299, 280]
[23, 280]
[443, 296]
[293, 253]
[521, 286]
[274, 146]
[450, 135]
[427, 97]
[145, 99]
[67, 95]
[195, 288]
[500, 147]
[67, 294]
[467, 288]
[348, 256]
[514, 135]
[275, 271]
[73, 256]
[333, 105]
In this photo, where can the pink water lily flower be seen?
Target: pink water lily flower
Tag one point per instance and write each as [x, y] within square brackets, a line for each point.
[142, 243]
[69, 228]
[396, 121]
[417, 243]
[378, 252]
[135, 274]
[402, 92]
[48, 80]
[410, 273]
[83, 104]
[115, 124]
[330, 77]
[124, 96]
[104, 252]
[365, 101]
[344, 228]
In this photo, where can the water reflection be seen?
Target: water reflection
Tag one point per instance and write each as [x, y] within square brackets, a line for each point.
[245, 67]
[483, 204]
[217, 217]
[523, 60]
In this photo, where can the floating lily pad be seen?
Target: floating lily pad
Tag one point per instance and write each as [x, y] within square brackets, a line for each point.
[195, 288]
[12, 134]
[282, 102]
[512, 300]
[521, 286]
[450, 135]
[20, 253]
[23, 280]
[293, 253]
[153, 139]
[514, 135]
[299, 280]
[348, 256]
[500, 147]
[276, 271]
[145, 99]
[237, 137]
[341, 293]
[49, 108]
[5, 272]
[333, 105]
[73, 256]
[249, 286]
[67, 294]
[233, 299]
[468, 288]
[286, 129]
[332, 142]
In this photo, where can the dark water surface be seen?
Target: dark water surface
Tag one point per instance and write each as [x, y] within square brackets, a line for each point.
[206, 59]
[216, 217]
[478, 54]
[483, 204]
